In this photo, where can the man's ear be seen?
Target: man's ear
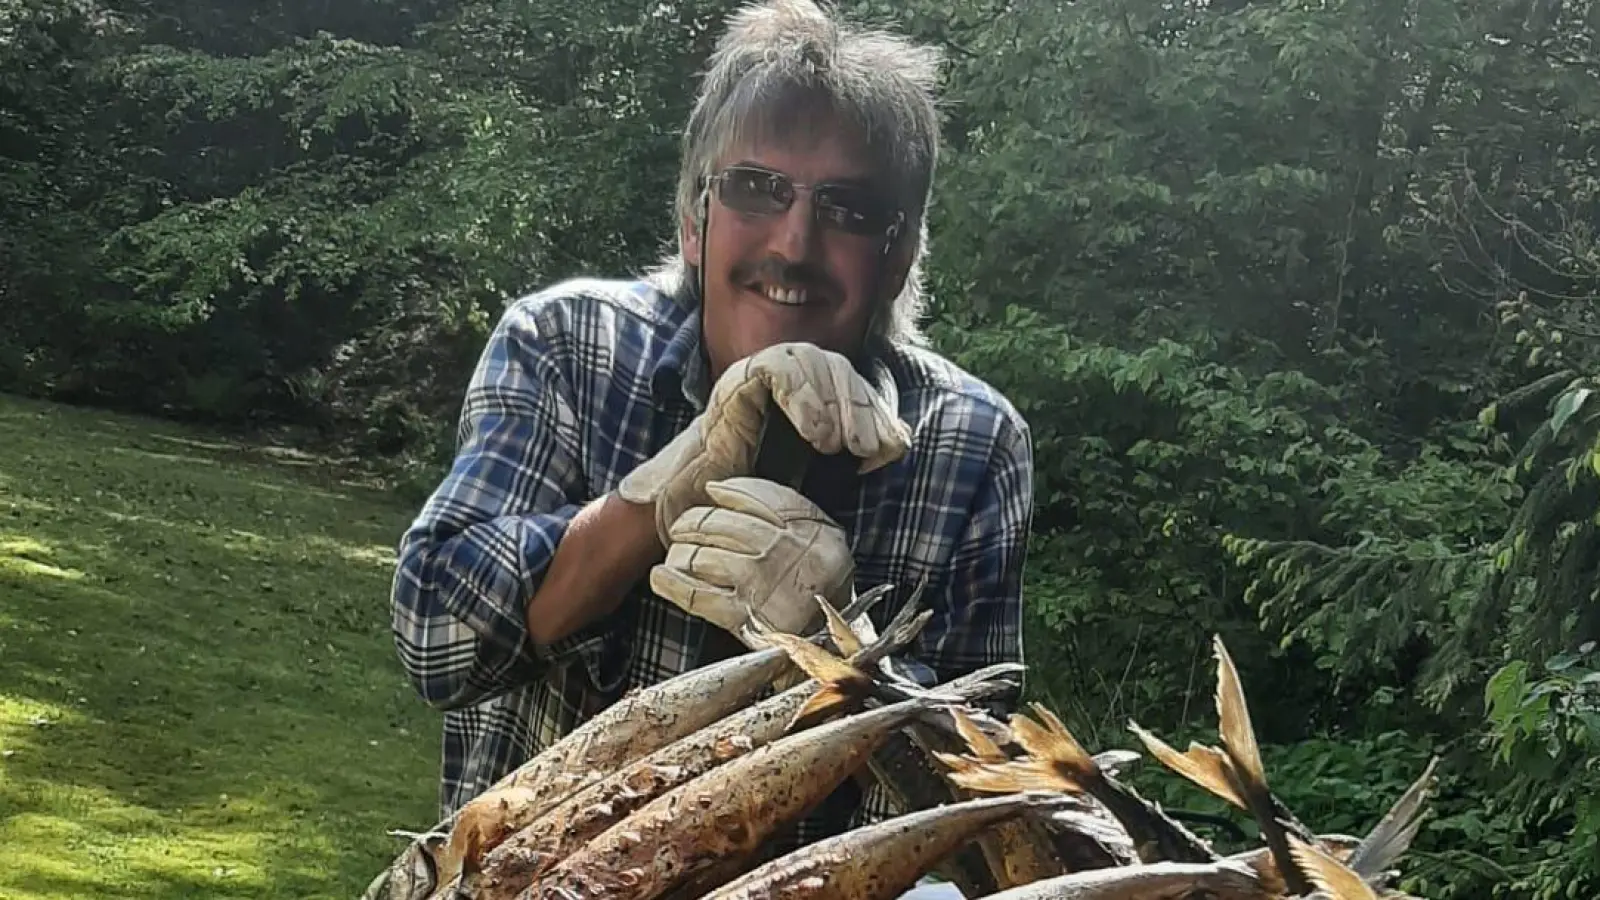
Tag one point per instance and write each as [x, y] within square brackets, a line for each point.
[897, 266]
[689, 237]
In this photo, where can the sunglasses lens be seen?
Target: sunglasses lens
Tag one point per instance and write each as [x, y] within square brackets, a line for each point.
[852, 210]
[755, 191]
[843, 207]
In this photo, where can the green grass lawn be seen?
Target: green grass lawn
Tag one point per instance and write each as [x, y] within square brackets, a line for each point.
[198, 693]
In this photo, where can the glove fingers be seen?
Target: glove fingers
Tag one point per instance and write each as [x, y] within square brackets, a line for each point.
[872, 431]
[711, 566]
[717, 605]
[854, 410]
[810, 399]
[895, 443]
[772, 504]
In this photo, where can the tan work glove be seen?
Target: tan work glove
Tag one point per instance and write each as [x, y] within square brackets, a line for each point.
[831, 405]
[761, 547]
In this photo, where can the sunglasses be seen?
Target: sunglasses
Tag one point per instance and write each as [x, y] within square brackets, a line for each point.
[849, 208]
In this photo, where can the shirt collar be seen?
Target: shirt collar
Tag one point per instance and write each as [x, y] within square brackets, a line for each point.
[681, 371]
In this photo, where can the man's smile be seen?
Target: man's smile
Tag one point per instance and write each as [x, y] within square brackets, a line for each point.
[789, 296]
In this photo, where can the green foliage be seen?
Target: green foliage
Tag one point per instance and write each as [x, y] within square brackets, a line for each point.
[1547, 733]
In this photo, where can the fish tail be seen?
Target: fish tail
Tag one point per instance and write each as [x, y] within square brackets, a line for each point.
[1052, 760]
[1207, 767]
[842, 682]
[1233, 714]
[1054, 743]
[846, 640]
[1250, 774]
[865, 601]
[1330, 876]
[1393, 835]
[982, 746]
[901, 631]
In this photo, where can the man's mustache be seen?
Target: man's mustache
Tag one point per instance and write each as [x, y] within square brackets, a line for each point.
[778, 272]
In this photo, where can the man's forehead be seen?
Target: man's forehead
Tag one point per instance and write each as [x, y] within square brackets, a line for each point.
[808, 156]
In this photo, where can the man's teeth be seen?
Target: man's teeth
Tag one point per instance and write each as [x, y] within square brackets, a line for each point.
[786, 296]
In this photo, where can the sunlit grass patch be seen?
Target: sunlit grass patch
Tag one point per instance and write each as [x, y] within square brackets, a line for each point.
[198, 695]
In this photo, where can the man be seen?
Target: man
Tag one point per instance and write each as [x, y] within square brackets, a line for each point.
[599, 520]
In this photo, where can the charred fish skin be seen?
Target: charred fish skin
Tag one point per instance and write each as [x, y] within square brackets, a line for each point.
[636, 724]
[879, 861]
[1220, 880]
[836, 684]
[587, 814]
[646, 720]
[607, 741]
[728, 811]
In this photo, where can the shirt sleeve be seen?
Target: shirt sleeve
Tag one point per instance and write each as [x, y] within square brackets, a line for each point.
[977, 600]
[480, 546]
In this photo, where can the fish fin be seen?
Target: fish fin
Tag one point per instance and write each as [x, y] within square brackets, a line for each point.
[817, 662]
[1008, 777]
[1392, 836]
[902, 630]
[915, 600]
[1330, 876]
[842, 683]
[1053, 745]
[848, 642]
[906, 624]
[828, 701]
[865, 601]
[480, 826]
[1110, 761]
[1238, 734]
[1053, 760]
[982, 746]
[1207, 767]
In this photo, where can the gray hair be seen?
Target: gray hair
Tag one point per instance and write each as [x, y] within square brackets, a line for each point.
[779, 56]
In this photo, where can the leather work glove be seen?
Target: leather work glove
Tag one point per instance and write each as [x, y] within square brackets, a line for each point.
[761, 547]
[831, 405]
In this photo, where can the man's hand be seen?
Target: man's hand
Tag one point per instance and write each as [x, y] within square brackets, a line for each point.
[831, 405]
[762, 547]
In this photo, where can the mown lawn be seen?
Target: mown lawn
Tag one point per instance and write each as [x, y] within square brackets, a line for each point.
[198, 693]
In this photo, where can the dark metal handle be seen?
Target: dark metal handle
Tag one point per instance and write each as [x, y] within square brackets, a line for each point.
[782, 456]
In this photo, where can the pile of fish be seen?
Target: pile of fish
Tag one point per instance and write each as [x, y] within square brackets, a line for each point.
[677, 791]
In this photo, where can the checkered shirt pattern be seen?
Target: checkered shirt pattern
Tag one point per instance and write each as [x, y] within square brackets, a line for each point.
[577, 385]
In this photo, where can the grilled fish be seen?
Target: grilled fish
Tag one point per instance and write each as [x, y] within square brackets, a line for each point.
[637, 724]
[1220, 880]
[585, 814]
[729, 811]
[880, 861]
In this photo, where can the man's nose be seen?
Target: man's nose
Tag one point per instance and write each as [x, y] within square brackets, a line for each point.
[796, 230]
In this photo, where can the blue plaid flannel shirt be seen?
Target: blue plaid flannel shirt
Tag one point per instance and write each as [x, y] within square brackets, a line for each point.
[577, 385]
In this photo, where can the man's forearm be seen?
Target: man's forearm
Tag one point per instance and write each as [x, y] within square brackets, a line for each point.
[609, 546]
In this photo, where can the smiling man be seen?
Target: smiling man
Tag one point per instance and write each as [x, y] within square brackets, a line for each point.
[601, 521]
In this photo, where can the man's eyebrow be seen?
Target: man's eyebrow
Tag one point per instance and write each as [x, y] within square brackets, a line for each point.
[857, 181]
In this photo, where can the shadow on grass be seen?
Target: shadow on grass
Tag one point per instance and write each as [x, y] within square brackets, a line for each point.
[199, 695]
